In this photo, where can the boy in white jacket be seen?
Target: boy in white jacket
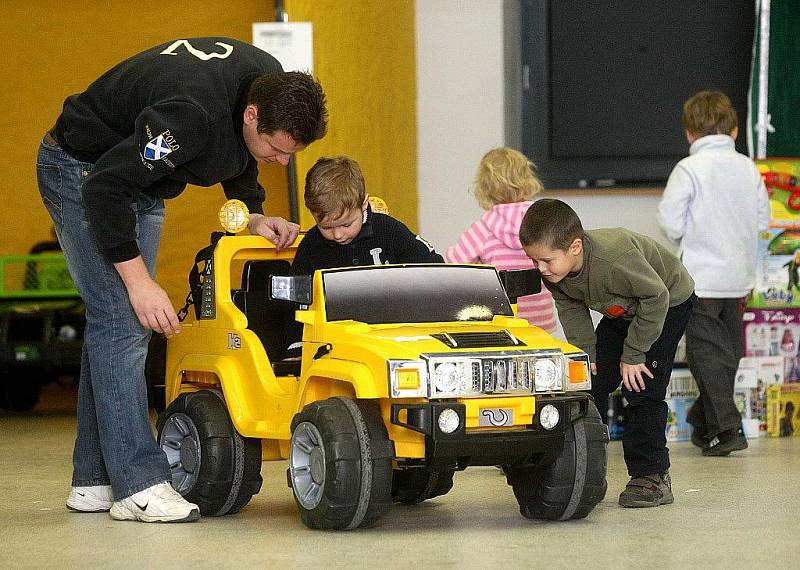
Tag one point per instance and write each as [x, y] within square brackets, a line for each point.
[713, 206]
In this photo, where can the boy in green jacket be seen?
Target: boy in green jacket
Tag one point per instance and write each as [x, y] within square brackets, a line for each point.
[645, 296]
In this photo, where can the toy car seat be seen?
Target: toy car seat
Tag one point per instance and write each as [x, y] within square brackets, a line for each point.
[266, 317]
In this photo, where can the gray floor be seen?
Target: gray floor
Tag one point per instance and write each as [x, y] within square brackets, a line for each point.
[735, 512]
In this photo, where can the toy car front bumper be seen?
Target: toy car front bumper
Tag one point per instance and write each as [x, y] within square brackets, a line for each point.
[518, 446]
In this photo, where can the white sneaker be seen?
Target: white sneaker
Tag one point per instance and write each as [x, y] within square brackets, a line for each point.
[94, 499]
[159, 503]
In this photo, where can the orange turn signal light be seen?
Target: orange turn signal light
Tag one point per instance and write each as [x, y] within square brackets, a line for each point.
[577, 372]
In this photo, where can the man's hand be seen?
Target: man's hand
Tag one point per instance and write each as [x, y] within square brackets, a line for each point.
[149, 301]
[277, 230]
[632, 376]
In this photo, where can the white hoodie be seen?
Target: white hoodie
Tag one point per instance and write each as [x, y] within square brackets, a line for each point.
[713, 207]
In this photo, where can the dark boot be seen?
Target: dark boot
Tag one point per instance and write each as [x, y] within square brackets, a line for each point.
[647, 491]
[724, 443]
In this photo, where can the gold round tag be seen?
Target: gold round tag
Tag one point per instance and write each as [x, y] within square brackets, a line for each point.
[234, 216]
[378, 205]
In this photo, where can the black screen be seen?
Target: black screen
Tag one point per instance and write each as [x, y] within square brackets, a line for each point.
[605, 81]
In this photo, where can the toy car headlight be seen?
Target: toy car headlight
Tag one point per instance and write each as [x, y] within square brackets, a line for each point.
[408, 379]
[450, 377]
[579, 376]
[547, 374]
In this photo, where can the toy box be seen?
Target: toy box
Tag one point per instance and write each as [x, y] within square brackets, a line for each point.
[678, 429]
[681, 394]
[771, 332]
[783, 410]
[753, 377]
[754, 371]
[781, 177]
[777, 270]
[774, 332]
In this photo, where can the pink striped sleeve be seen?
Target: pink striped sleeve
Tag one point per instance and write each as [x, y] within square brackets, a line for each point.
[469, 248]
[538, 310]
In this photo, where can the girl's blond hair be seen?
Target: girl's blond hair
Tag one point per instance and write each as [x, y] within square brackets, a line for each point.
[505, 176]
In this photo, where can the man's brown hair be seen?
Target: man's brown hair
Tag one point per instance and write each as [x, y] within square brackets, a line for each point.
[709, 113]
[292, 102]
[333, 186]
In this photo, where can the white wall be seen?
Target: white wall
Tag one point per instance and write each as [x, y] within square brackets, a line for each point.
[460, 104]
[461, 110]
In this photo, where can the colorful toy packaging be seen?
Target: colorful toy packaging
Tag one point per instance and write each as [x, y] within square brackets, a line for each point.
[777, 270]
[782, 179]
[753, 377]
[783, 410]
[681, 394]
[774, 332]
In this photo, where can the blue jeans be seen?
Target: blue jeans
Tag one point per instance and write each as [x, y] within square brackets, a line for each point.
[115, 443]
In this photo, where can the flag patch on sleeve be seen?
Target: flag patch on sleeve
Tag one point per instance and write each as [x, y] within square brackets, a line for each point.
[160, 146]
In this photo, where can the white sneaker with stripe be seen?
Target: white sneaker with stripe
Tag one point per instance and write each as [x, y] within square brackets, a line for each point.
[159, 503]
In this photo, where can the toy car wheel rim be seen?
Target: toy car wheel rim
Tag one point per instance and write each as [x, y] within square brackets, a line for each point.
[181, 443]
[307, 459]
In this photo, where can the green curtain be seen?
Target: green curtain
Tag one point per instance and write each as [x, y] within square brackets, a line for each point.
[783, 91]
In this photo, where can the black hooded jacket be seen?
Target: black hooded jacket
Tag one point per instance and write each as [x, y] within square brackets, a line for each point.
[167, 117]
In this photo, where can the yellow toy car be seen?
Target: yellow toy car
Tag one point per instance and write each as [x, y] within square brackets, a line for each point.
[408, 374]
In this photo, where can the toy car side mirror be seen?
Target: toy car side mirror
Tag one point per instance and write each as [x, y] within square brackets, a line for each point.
[295, 288]
[520, 282]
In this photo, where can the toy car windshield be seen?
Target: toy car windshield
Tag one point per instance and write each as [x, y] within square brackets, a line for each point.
[414, 294]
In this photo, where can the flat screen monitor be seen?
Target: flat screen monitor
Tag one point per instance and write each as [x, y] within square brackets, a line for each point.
[604, 83]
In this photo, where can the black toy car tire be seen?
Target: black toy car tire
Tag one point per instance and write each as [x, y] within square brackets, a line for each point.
[416, 484]
[355, 466]
[571, 486]
[155, 369]
[229, 470]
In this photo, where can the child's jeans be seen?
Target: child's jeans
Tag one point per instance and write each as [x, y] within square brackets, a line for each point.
[115, 444]
[644, 440]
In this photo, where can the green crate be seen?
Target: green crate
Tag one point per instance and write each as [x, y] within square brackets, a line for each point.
[35, 277]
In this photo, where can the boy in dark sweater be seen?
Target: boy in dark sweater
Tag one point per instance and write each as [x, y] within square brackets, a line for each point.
[645, 296]
[348, 232]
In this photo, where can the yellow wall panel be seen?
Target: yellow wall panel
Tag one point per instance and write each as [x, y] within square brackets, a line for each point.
[364, 57]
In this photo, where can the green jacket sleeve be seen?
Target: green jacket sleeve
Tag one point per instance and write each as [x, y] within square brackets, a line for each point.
[644, 284]
[576, 321]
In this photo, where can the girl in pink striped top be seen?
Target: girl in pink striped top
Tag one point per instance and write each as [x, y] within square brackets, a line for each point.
[504, 186]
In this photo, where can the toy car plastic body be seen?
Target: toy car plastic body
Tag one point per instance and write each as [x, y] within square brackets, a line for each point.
[408, 374]
[41, 326]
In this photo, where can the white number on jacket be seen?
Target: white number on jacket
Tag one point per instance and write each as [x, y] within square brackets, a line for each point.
[199, 54]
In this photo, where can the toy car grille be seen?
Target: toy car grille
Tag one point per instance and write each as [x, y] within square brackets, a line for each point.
[478, 340]
[501, 375]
